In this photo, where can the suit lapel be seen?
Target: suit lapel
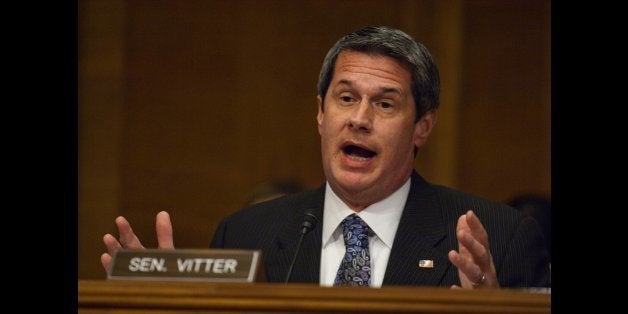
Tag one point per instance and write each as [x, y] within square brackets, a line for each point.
[307, 264]
[419, 237]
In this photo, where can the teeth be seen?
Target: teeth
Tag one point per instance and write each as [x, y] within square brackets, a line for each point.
[358, 158]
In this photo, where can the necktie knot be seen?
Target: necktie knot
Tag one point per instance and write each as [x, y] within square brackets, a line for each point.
[355, 231]
[355, 268]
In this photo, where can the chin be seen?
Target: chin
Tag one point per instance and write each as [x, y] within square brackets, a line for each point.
[354, 181]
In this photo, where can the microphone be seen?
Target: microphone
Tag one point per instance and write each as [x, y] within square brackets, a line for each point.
[308, 224]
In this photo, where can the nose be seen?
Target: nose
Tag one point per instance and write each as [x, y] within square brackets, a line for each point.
[361, 118]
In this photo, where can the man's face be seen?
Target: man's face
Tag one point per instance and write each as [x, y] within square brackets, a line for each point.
[367, 130]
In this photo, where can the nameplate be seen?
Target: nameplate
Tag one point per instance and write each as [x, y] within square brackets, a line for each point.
[187, 264]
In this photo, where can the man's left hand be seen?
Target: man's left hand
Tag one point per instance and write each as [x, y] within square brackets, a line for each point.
[473, 259]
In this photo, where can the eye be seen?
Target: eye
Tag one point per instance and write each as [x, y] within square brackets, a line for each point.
[386, 106]
[346, 100]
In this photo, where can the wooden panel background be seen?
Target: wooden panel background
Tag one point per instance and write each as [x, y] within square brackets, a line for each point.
[187, 106]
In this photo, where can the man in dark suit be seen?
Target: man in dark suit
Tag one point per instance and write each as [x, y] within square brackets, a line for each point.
[377, 104]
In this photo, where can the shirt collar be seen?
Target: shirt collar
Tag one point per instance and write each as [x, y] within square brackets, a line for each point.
[382, 217]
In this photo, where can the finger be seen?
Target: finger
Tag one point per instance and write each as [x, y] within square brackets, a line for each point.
[468, 267]
[477, 229]
[460, 227]
[462, 223]
[128, 239]
[106, 259]
[163, 226]
[469, 272]
[111, 243]
[476, 250]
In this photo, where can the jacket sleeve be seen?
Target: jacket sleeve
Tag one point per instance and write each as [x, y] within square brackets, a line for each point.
[526, 260]
[218, 240]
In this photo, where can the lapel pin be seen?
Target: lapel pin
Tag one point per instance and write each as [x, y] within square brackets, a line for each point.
[426, 263]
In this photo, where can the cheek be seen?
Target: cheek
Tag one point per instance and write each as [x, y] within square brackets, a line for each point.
[330, 124]
[401, 137]
[326, 132]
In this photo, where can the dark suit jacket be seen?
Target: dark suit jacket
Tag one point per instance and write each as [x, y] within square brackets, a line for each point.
[427, 231]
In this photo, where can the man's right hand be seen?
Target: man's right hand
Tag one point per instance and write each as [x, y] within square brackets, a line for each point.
[129, 240]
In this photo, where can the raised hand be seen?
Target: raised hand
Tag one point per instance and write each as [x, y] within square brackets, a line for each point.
[128, 239]
[473, 260]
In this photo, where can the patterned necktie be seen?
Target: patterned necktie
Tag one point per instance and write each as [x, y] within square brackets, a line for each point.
[355, 268]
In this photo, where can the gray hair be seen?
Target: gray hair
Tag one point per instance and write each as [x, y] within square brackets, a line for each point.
[386, 41]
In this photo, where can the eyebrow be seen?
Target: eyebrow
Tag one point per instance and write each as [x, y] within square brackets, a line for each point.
[384, 90]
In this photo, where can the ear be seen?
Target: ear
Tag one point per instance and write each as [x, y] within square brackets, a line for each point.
[423, 127]
[319, 115]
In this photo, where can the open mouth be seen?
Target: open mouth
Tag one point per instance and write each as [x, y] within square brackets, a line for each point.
[358, 153]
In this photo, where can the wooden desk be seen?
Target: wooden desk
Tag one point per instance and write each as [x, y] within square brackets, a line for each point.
[113, 296]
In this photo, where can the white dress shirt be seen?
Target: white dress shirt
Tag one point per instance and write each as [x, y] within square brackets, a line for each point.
[383, 219]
